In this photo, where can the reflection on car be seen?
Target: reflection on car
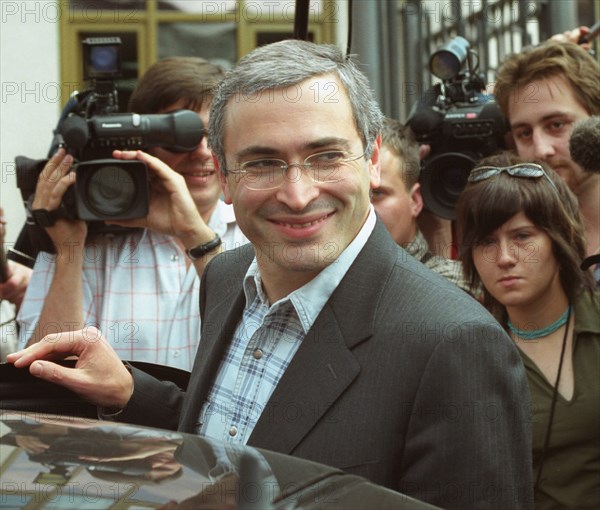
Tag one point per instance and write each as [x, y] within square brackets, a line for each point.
[59, 462]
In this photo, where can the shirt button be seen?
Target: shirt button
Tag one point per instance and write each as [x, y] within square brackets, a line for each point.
[233, 431]
[176, 354]
[257, 354]
[174, 258]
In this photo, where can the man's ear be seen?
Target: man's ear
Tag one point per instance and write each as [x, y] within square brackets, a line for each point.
[416, 200]
[375, 164]
[223, 178]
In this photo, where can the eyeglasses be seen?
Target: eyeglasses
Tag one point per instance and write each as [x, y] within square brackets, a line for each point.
[526, 170]
[266, 174]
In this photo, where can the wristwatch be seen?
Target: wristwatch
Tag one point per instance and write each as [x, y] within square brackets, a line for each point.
[43, 217]
[202, 249]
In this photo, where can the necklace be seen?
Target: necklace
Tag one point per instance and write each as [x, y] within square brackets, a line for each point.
[534, 334]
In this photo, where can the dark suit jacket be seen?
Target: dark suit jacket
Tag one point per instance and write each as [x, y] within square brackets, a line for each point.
[403, 379]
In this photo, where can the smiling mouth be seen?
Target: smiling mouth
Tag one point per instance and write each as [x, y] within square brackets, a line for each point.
[303, 225]
[205, 173]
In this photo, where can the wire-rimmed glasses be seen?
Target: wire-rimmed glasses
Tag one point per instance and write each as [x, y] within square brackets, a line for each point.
[270, 173]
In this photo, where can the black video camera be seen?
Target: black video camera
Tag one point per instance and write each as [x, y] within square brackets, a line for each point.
[90, 129]
[460, 123]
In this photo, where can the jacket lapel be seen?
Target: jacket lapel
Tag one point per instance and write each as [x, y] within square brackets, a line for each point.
[325, 366]
[321, 370]
[226, 303]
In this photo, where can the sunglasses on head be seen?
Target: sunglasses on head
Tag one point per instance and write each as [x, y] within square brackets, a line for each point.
[526, 170]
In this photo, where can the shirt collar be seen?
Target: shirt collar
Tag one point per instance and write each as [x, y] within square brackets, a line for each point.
[221, 217]
[309, 300]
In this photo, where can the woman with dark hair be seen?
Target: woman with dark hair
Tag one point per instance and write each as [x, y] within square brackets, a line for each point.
[522, 240]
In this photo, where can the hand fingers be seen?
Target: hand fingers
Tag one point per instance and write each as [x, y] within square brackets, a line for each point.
[55, 346]
[25, 357]
[53, 181]
[57, 166]
[99, 375]
[51, 372]
[126, 155]
[74, 379]
[52, 198]
[158, 167]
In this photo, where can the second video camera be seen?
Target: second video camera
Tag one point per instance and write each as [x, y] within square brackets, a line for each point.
[90, 129]
[459, 122]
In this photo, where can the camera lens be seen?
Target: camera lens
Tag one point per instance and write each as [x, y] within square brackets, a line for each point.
[446, 62]
[445, 65]
[442, 179]
[454, 180]
[111, 191]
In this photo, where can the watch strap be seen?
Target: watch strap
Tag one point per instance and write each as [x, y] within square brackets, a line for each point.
[45, 218]
[203, 249]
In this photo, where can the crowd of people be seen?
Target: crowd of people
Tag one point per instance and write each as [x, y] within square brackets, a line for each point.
[434, 377]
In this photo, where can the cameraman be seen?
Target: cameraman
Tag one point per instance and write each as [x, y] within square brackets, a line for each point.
[138, 287]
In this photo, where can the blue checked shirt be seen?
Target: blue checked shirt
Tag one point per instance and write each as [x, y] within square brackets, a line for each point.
[265, 341]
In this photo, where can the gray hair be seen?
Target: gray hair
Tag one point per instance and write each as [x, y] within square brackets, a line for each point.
[287, 63]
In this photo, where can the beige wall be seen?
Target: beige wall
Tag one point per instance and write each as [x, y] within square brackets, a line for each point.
[29, 102]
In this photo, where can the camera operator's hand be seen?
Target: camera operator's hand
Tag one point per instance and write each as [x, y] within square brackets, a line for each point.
[99, 375]
[574, 36]
[13, 289]
[172, 210]
[53, 182]
[15, 276]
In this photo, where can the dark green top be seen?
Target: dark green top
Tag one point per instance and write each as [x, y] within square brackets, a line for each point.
[571, 472]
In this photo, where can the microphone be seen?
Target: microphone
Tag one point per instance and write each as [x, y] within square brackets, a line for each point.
[592, 34]
[423, 118]
[584, 144]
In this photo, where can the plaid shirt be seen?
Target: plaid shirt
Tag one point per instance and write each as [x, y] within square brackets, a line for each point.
[138, 291]
[263, 345]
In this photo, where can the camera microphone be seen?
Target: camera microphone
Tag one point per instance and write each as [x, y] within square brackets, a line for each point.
[592, 34]
[423, 117]
[584, 144]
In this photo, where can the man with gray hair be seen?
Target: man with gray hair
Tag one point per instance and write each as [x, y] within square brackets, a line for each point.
[323, 339]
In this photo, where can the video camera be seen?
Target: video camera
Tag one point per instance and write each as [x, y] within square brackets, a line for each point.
[460, 123]
[90, 129]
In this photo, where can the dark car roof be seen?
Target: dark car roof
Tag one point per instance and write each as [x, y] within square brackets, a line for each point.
[51, 461]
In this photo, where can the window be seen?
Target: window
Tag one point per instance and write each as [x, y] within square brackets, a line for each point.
[219, 30]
